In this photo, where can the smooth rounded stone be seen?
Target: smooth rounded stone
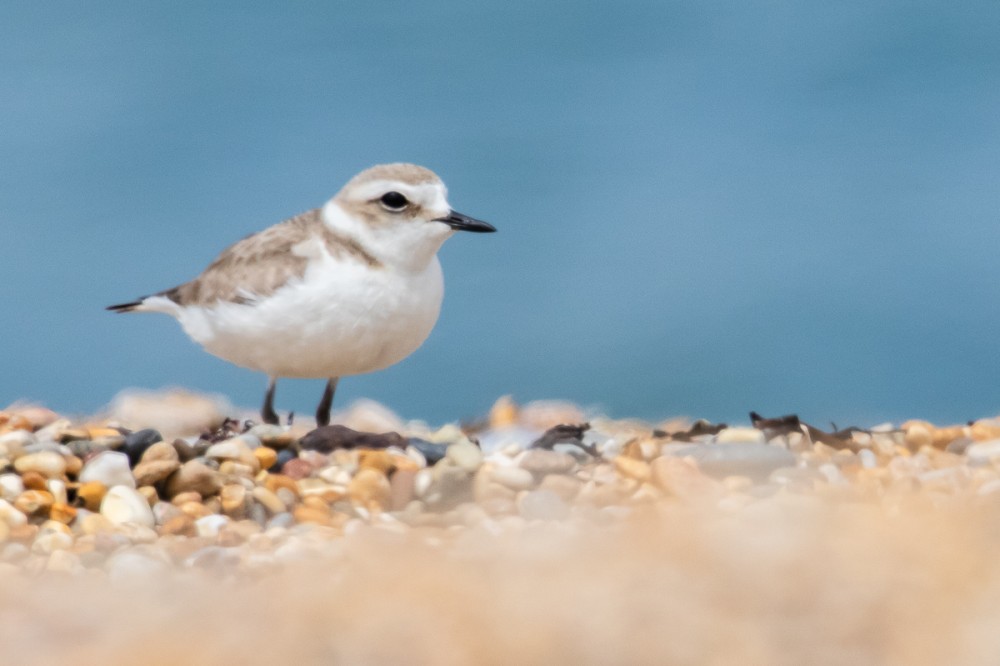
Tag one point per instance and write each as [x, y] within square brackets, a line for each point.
[63, 561]
[497, 439]
[258, 514]
[739, 435]
[401, 489]
[432, 452]
[149, 473]
[632, 468]
[515, 478]
[138, 563]
[542, 505]
[209, 526]
[288, 496]
[62, 512]
[422, 482]
[273, 436]
[58, 489]
[369, 486]
[756, 461]
[165, 511]
[282, 521]
[14, 552]
[91, 493]
[47, 463]
[110, 468]
[236, 448]
[217, 559]
[160, 451]
[11, 486]
[682, 478]
[33, 481]
[34, 502]
[567, 487]
[193, 476]
[13, 443]
[297, 469]
[959, 446]
[542, 462]
[136, 443]
[125, 505]
[267, 457]
[94, 523]
[50, 541]
[796, 479]
[284, 456]
[234, 500]
[465, 455]
[867, 458]
[984, 451]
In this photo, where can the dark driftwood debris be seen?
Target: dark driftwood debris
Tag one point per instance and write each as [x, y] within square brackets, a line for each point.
[783, 425]
[566, 434]
[700, 428]
[327, 438]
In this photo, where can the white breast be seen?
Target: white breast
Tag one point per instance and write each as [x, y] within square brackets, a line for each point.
[342, 318]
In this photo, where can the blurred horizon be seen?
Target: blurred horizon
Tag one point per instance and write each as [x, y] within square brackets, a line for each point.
[703, 209]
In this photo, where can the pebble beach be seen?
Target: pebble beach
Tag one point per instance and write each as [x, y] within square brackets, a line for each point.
[167, 530]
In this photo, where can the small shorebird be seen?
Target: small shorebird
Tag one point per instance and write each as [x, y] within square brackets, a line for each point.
[349, 288]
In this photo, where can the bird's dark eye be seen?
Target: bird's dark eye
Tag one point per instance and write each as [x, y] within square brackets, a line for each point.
[393, 201]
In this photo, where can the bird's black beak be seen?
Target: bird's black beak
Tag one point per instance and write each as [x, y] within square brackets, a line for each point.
[465, 223]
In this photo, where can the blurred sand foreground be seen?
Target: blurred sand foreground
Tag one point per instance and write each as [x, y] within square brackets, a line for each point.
[841, 562]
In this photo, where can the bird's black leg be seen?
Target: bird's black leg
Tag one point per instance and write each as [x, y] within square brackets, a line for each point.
[267, 411]
[323, 410]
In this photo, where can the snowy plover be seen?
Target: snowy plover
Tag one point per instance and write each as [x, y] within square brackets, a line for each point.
[345, 289]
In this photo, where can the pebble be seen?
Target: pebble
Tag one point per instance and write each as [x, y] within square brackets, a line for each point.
[756, 461]
[47, 463]
[123, 505]
[369, 487]
[515, 478]
[234, 500]
[137, 564]
[209, 526]
[160, 451]
[542, 505]
[632, 468]
[34, 502]
[739, 436]
[236, 449]
[567, 487]
[193, 476]
[266, 457]
[269, 500]
[542, 462]
[11, 486]
[151, 472]
[11, 516]
[432, 452]
[984, 451]
[682, 478]
[138, 442]
[110, 468]
[92, 492]
[465, 455]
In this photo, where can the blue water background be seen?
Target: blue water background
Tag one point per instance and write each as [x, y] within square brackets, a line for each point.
[704, 207]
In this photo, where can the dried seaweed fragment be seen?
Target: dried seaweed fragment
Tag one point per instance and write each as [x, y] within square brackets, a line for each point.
[783, 425]
[700, 428]
[567, 434]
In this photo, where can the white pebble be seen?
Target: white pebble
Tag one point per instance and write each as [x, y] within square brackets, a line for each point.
[125, 505]
[110, 468]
